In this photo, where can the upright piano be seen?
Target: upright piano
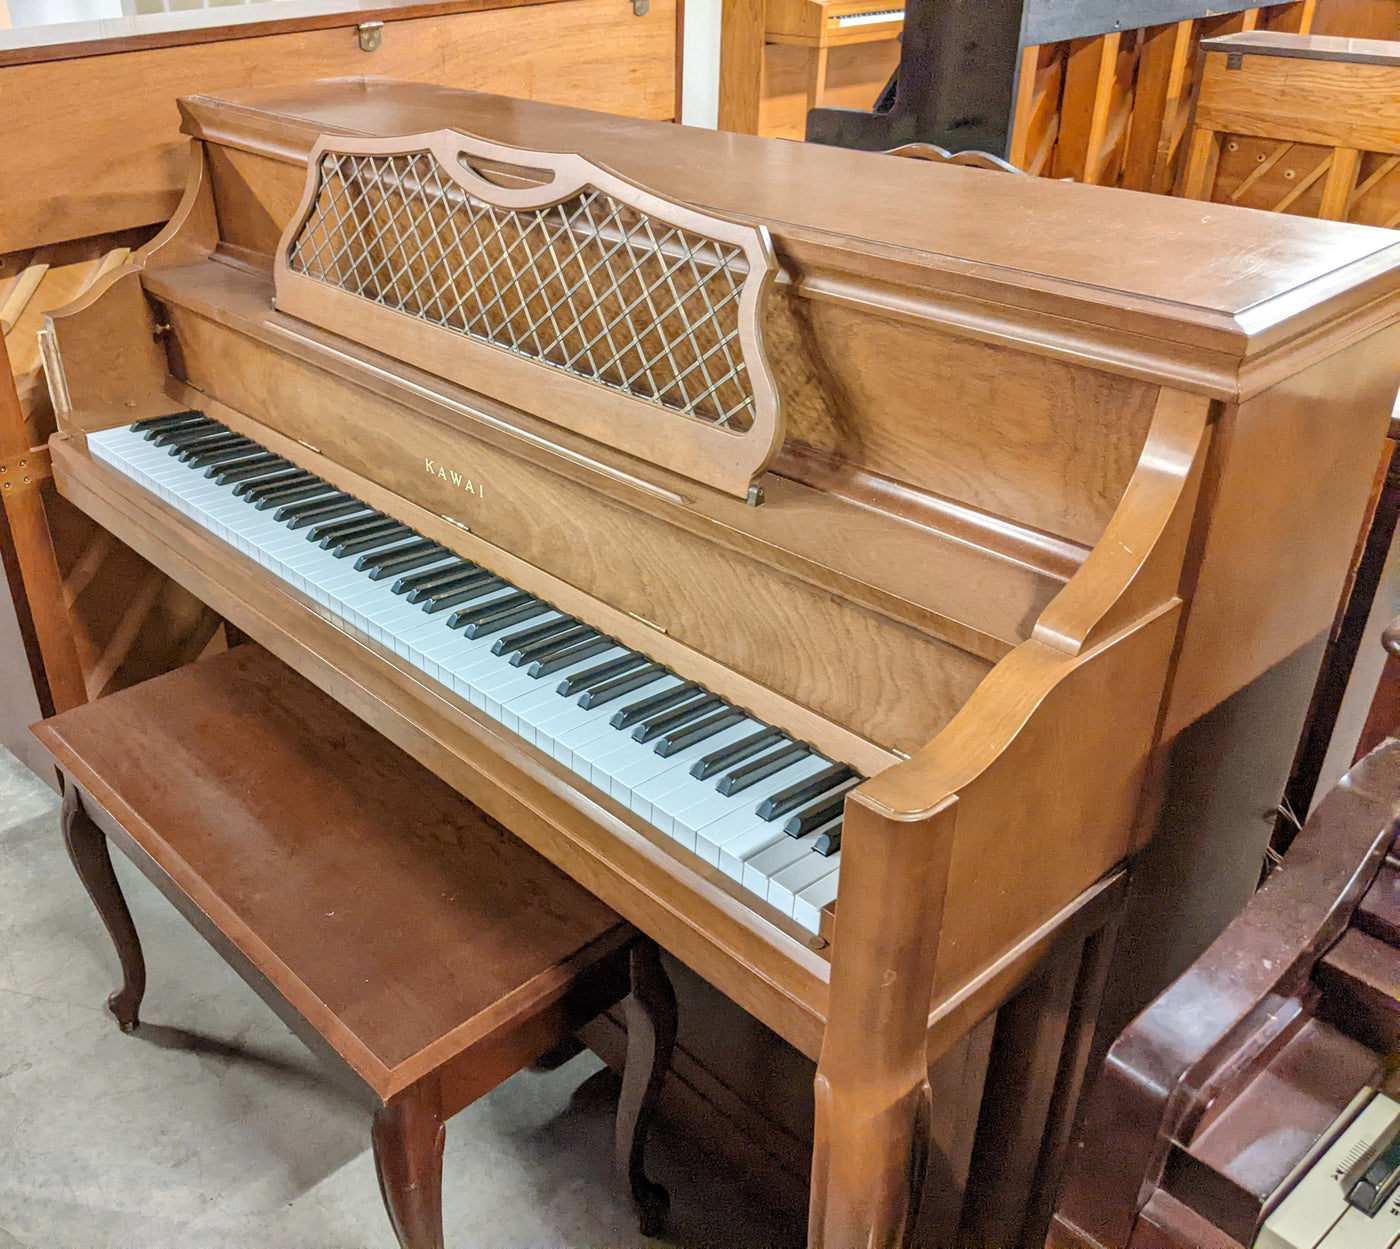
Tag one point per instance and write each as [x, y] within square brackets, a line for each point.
[1255, 1102]
[811, 552]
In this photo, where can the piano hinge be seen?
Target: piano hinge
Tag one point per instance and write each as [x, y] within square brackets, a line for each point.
[309, 447]
[25, 471]
[650, 624]
[458, 523]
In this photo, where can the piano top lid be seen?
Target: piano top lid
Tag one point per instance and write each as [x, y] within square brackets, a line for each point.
[1212, 278]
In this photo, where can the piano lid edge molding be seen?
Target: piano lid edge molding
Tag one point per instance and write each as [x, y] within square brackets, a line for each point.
[688, 387]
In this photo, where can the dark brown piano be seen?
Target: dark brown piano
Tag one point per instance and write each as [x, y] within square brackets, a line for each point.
[961, 495]
[1254, 1102]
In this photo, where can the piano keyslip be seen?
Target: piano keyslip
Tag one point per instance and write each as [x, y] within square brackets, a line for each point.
[702, 772]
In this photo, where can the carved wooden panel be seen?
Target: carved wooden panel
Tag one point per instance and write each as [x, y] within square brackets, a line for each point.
[481, 263]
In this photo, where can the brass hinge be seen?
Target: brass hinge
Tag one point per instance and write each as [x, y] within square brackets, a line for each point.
[25, 471]
[371, 36]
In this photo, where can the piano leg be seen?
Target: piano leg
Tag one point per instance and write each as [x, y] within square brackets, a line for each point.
[87, 847]
[873, 1098]
[408, 1136]
[650, 1013]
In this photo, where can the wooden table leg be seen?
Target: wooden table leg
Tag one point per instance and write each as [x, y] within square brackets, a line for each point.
[408, 1136]
[87, 847]
[650, 1014]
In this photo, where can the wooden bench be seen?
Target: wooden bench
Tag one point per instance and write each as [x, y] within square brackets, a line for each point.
[397, 929]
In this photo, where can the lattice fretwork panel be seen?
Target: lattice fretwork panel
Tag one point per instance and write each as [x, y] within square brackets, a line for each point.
[591, 286]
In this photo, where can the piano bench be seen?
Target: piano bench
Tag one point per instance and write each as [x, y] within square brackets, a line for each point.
[396, 928]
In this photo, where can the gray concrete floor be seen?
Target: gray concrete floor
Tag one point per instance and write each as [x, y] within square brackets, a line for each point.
[213, 1128]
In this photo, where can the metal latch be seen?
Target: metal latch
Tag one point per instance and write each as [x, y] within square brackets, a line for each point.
[640, 8]
[371, 36]
[1234, 60]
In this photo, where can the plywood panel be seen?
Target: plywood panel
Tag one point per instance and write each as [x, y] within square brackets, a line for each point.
[90, 170]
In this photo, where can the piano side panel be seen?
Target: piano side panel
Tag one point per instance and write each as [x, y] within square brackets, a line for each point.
[886, 681]
[1285, 491]
[1045, 443]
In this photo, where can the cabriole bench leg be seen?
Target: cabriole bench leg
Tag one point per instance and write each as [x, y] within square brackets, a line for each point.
[650, 1013]
[87, 847]
[408, 1136]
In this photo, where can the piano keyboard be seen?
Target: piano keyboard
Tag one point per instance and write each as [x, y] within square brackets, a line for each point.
[845, 20]
[762, 807]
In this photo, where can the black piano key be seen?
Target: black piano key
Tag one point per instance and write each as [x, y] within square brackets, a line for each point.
[190, 454]
[823, 811]
[470, 615]
[229, 455]
[653, 704]
[528, 655]
[290, 511]
[589, 677]
[599, 695]
[828, 840]
[368, 541]
[154, 425]
[282, 481]
[179, 445]
[464, 584]
[355, 526]
[280, 477]
[326, 511]
[455, 594]
[697, 731]
[416, 544]
[548, 665]
[736, 752]
[488, 625]
[794, 796]
[408, 560]
[255, 467]
[678, 718]
[765, 765]
[431, 576]
[294, 493]
[519, 640]
[181, 434]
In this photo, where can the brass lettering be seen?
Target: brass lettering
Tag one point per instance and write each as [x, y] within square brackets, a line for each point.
[452, 477]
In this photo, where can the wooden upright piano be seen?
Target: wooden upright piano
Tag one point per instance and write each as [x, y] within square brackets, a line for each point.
[969, 491]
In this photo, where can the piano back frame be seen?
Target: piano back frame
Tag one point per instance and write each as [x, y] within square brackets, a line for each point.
[1068, 723]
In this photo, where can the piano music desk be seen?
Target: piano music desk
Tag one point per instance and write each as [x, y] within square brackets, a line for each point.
[394, 927]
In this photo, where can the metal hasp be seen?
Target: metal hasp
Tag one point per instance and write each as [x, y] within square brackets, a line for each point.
[371, 36]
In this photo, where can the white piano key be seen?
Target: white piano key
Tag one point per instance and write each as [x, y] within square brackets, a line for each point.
[786, 885]
[762, 866]
[807, 906]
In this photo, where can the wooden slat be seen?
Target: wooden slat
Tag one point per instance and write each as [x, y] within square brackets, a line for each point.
[1201, 163]
[1341, 178]
[1089, 80]
[1026, 88]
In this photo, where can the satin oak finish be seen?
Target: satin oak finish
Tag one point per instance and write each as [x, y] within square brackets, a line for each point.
[1043, 497]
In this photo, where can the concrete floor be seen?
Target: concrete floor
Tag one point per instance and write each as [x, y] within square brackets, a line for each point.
[213, 1128]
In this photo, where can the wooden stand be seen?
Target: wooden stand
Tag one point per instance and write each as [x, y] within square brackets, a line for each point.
[397, 929]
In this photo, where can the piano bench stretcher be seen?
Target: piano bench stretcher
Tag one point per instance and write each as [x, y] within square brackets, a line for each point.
[396, 928]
